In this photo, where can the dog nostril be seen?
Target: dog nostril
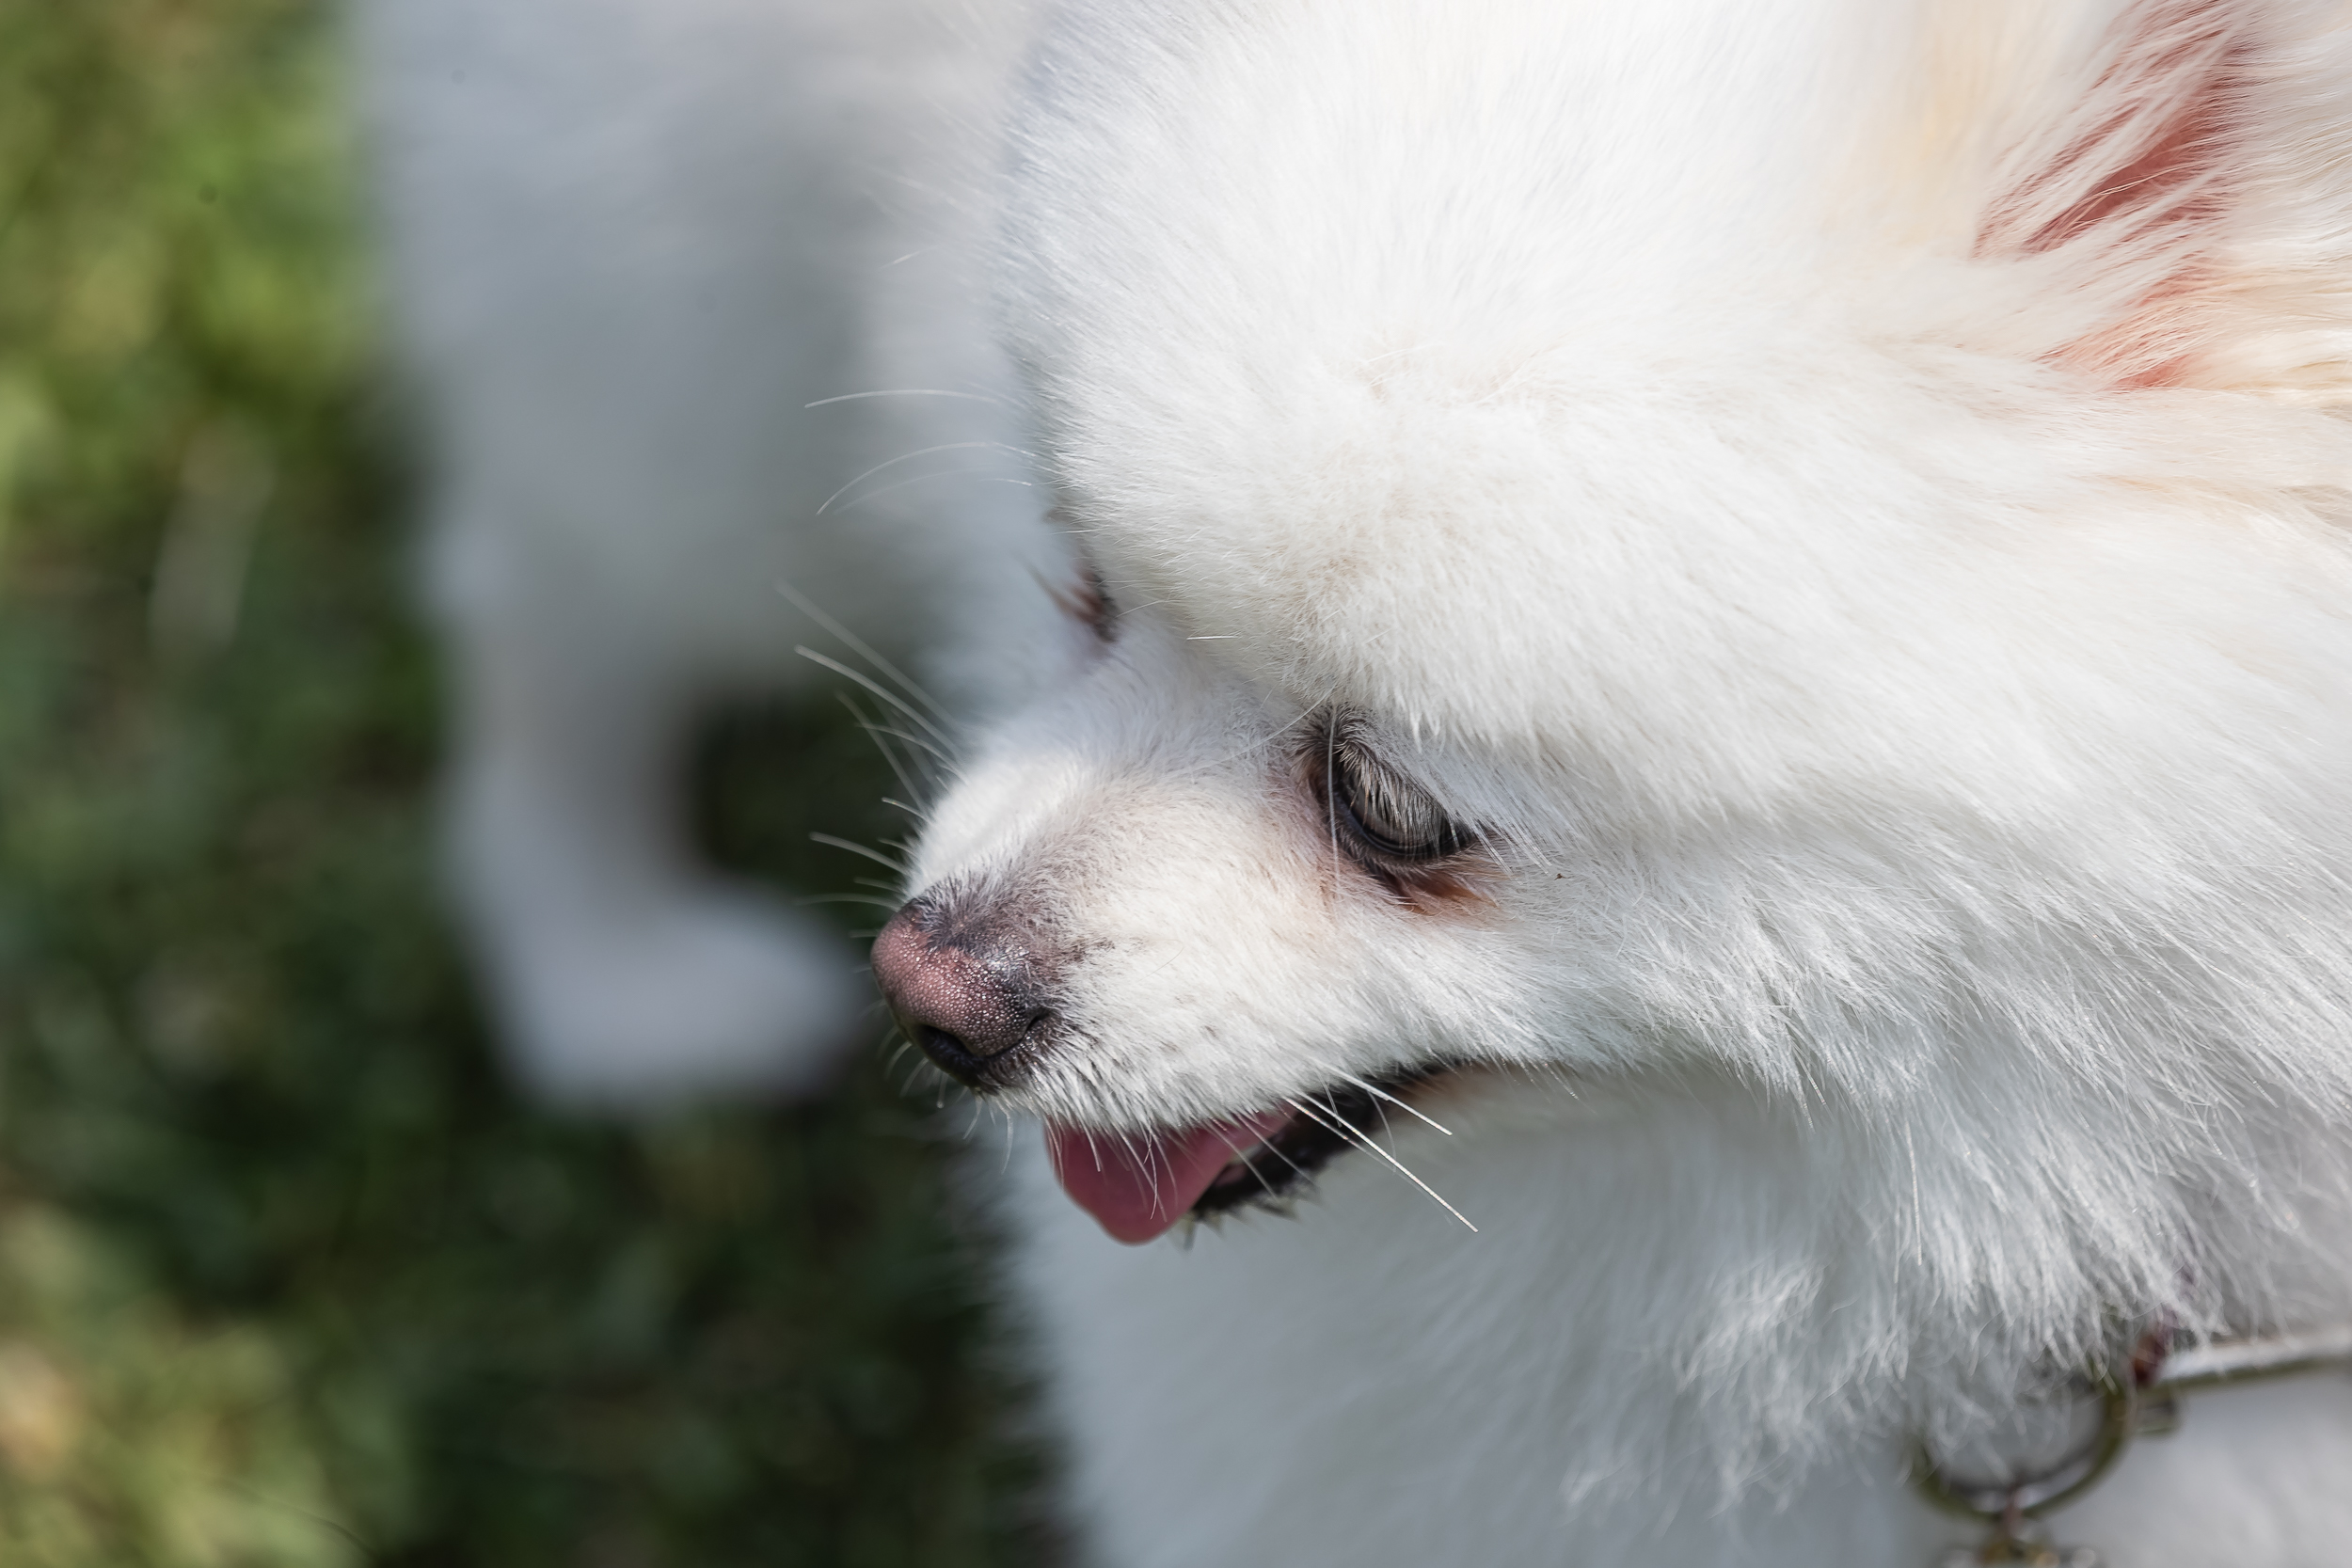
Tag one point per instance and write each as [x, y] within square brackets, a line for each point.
[952, 1056]
[964, 988]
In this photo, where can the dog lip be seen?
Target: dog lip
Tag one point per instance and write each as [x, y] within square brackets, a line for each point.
[1139, 1186]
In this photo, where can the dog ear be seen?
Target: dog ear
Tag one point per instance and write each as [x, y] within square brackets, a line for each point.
[2169, 180]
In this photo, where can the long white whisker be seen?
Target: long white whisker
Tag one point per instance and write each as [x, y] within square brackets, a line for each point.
[1271, 1148]
[857, 646]
[875, 855]
[881, 735]
[1379, 1093]
[1362, 1141]
[1330, 802]
[880, 690]
[904, 457]
[1199, 769]
[906, 781]
[916, 741]
[902, 392]
[1155, 1153]
[980, 475]
[1147, 1166]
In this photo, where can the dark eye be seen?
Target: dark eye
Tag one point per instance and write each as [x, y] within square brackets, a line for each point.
[1386, 813]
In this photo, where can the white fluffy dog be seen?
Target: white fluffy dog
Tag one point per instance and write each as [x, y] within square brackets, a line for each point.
[1747, 603]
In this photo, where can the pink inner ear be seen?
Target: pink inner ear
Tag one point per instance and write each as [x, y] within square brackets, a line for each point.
[2151, 166]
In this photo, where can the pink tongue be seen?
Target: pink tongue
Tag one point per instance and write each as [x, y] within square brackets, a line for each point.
[1137, 1185]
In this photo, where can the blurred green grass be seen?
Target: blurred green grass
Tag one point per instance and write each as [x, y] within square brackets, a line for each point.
[286, 1277]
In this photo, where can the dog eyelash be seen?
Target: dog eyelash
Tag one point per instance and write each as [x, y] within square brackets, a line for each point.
[1388, 824]
[1391, 817]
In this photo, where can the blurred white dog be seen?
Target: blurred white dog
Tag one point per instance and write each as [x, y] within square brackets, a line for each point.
[630, 243]
[1747, 603]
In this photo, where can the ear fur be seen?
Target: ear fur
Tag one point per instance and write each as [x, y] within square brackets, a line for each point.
[2172, 179]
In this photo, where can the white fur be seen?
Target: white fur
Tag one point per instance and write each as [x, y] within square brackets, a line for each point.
[1900, 650]
[629, 242]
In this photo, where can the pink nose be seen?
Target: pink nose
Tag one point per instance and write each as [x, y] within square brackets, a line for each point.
[965, 988]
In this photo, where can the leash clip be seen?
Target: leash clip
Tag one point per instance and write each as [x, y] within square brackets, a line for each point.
[2013, 1506]
[2138, 1396]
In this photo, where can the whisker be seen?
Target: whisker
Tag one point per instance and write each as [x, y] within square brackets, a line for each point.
[880, 690]
[902, 458]
[1379, 1093]
[857, 646]
[1141, 1163]
[1252, 748]
[902, 392]
[916, 1074]
[980, 475]
[847, 898]
[1330, 802]
[875, 855]
[878, 728]
[906, 781]
[1347, 1130]
[1273, 1149]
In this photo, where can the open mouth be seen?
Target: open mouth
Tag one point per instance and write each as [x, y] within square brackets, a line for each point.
[1137, 1186]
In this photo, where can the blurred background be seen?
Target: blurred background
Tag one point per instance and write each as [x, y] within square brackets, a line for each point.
[287, 1275]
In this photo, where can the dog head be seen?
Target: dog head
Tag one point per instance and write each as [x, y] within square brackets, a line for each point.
[1793, 545]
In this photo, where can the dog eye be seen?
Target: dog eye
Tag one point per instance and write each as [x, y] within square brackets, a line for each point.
[1084, 599]
[1097, 610]
[1387, 813]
